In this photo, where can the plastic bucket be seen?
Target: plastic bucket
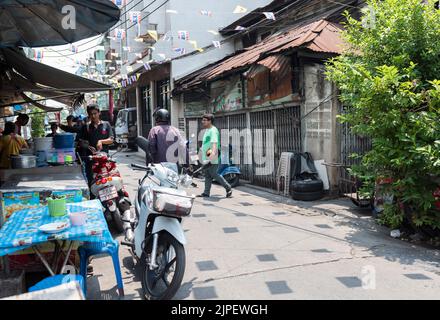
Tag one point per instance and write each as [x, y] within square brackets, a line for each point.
[43, 144]
[57, 207]
[64, 141]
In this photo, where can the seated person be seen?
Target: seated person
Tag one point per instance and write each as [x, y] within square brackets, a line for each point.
[10, 145]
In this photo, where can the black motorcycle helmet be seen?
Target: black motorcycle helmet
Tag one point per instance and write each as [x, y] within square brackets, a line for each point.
[162, 116]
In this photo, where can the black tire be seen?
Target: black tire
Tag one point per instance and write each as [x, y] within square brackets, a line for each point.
[307, 196]
[117, 221]
[165, 241]
[233, 179]
[305, 186]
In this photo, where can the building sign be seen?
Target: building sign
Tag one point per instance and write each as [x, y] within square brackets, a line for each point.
[227, 95]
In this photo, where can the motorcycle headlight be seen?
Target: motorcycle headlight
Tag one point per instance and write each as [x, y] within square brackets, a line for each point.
[173, 177]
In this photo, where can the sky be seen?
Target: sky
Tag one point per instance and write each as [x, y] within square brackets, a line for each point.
[62, 58]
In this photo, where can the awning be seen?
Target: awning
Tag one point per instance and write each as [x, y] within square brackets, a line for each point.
[44, 23]
[18, 74]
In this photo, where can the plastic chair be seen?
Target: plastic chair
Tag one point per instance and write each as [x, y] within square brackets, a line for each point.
[58, 280]
[93, 248]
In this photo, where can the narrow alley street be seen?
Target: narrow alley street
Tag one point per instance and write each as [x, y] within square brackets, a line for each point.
[260, 246]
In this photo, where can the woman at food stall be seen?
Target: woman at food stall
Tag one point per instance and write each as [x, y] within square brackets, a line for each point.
[10, 145]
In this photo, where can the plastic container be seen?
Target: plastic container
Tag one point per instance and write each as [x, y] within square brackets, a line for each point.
[64, 141]
[78, 218]
[57, 207]
[43, 144]
[61, 155]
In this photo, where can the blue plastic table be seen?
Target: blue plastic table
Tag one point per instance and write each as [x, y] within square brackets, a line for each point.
[21, 231]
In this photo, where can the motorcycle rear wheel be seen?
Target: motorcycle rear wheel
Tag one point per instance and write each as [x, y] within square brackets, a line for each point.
[158, 278]
[117, 221]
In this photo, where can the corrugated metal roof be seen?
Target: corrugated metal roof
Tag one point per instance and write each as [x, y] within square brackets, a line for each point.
[320, 36]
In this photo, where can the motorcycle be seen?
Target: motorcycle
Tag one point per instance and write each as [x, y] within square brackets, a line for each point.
[155, 235]
[107, 186]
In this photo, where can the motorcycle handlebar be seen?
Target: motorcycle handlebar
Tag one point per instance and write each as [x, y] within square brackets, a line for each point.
[138, 166]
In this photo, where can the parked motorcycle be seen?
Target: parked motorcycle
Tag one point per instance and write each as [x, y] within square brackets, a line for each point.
[108, 187]
[158, 240]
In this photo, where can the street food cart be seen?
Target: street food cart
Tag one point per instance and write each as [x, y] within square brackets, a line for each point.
[28, 189]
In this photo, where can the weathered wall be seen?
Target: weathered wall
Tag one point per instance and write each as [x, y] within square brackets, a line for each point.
[319, 109]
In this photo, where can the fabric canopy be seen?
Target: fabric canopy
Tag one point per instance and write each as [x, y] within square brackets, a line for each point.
[43, 23]
[20, 74]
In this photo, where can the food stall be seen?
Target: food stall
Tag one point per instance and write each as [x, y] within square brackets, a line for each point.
[29, 188]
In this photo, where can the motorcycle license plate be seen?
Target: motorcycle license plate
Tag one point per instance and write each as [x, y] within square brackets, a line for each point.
[108, 193]
[122, 141]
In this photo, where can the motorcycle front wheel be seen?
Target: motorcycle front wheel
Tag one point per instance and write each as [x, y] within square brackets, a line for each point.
[163, 282]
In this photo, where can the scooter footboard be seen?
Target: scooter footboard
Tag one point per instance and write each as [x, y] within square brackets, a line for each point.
[172, 226]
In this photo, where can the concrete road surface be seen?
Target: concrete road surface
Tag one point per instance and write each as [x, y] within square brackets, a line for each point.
[260, 246]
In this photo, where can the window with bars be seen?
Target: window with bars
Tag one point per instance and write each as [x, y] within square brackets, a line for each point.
[163, 94]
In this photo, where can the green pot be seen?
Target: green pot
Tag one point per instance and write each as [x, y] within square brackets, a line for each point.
[57, 207]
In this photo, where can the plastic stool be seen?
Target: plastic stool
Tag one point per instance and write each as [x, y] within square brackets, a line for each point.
[57, 280]
[93, 248]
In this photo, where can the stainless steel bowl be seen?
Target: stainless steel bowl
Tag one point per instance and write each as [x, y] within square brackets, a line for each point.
[23, 161]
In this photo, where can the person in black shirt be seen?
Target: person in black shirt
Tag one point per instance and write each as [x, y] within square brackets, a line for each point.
[98, 134]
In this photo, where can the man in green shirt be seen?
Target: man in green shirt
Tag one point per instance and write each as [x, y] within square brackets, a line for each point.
[210, 153]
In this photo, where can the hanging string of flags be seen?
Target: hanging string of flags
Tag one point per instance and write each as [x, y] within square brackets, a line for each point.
[240, 9]
[206, 13]
[269, 15]
[135, 18]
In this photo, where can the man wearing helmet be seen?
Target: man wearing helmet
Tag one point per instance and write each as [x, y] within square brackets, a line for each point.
[165, 140]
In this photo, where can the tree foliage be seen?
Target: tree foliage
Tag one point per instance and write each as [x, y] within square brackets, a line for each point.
[388, 77]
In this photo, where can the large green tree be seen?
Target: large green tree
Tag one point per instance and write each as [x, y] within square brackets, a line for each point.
[388, 77]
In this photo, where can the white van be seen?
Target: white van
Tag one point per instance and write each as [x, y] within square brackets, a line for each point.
[126, 127]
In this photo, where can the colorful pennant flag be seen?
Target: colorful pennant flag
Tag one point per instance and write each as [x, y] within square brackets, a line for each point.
[73, 48]
[135, 16]
[240, 9]
[129, 68]
[217, 44]
[183, 35]
[172, 11]
[38, 54]
[139, 55]
[147, 66]
[153, 34]
[269, 15]
[180, 50]
[206, 13]
[213, 32]
[119, 34]
[126, 49]
[240, 28]
[120, 3]
[167, 37]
